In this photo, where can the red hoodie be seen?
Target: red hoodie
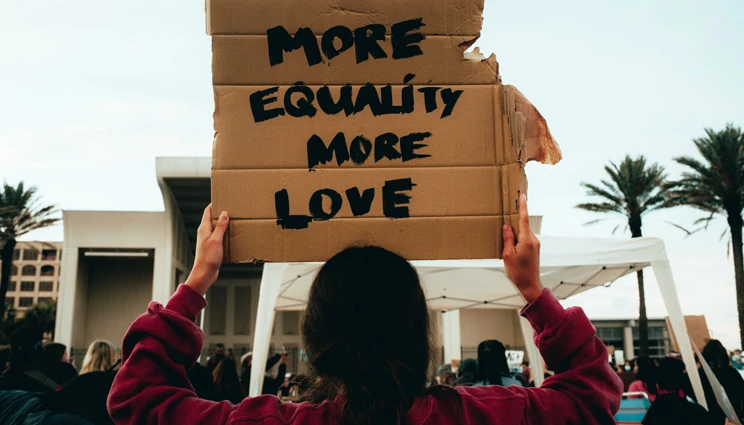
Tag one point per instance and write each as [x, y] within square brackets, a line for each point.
[152, 388]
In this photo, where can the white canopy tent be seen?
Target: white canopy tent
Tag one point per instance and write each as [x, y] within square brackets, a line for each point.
[569, 266]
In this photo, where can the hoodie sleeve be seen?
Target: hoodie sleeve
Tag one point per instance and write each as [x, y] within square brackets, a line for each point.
[159, 347]
[584, 389]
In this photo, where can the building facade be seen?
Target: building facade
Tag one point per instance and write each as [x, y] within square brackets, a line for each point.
[34, 275]
[621, 336]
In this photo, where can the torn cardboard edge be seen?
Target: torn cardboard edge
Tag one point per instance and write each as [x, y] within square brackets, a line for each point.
[253, 17]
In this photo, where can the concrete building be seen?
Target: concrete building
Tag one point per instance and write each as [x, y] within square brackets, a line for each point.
[34, 275]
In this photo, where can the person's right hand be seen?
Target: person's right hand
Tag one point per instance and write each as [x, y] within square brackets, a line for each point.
[522, 261]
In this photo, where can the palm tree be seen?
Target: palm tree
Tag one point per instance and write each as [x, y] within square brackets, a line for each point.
[21, 212]
[634, 189]
[716, 187]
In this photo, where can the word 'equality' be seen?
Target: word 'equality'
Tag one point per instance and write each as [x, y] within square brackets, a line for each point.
[305, 101]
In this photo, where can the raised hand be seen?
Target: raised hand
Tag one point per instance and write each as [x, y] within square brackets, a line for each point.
[208, 251]
[522, 258]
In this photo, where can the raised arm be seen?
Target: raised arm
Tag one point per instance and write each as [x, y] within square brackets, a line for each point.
[162, 344]
[585, 389]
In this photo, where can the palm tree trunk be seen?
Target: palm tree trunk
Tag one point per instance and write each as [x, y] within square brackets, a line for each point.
[635, 225]
[7, 259]
[642, 317]
[736, 240]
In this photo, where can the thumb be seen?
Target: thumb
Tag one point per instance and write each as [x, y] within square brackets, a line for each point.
[508, 233]
[221, 227]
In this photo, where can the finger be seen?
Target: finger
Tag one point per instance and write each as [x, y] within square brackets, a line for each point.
[524, 216]
[508, 234]
[206, 223]
[221, 228]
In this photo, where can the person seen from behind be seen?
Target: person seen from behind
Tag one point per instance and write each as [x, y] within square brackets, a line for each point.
[226, 382]
[219, 354]
[101, 357]
[527, 373]
[670, 407]
[367, 334]
[645, 372]
[467, 372]
[493, 369]
[732, 382]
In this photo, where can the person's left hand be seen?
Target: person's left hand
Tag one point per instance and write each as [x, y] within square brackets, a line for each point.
[209, 252]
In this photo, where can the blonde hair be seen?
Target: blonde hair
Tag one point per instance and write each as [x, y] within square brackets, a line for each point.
[101, 356]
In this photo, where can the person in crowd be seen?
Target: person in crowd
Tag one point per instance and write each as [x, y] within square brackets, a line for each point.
[4, 359]
[226, 382]
[26, 372]
[230, 354]
[85, 396]
[736, 360]
[645, 372]
[219, 354]
[283, 391]
[270, 385]
[467, 372]
[449, 379]
[202, 381]
[717, 357]
[101, 356]
[56, 364]
[670, 408]
[493, 368]
[367, 333]
[527, 373]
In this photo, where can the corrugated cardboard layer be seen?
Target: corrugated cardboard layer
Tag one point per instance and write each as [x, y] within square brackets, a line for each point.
[244, 60]
[442, 17]
[455, 191]
[475, 133]
[413, 238]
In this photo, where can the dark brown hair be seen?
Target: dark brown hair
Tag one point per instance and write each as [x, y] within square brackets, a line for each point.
[367, 333]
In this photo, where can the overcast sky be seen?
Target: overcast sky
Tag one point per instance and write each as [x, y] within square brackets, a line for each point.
[91, 92]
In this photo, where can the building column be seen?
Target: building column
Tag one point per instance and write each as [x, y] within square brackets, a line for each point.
[162, 275]
[67, 286]
[451, 336]
[628, 347]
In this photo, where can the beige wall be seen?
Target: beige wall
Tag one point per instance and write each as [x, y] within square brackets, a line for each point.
[119, 290]
[477, 326]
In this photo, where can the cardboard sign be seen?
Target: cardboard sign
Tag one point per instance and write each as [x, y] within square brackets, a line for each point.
[342, 123]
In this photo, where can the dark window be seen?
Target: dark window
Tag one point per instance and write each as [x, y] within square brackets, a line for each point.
[28, 271]
[11, 286]
[45, 300]
[25, 302]
[49, 254]
[47, 270]
[46, 286]
[30, 254]
[27, 286]
[10, 302]
[16, 254]
[13, 270]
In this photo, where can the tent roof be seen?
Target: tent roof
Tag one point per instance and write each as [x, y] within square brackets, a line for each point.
[569, 266]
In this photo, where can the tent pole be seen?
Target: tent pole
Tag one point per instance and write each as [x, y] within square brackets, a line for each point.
[536, 360]
[451, 336]
[271, 282]
[665, 280]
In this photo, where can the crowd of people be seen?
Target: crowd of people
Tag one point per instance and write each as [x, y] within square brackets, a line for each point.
[667, 386]
[39, 384]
